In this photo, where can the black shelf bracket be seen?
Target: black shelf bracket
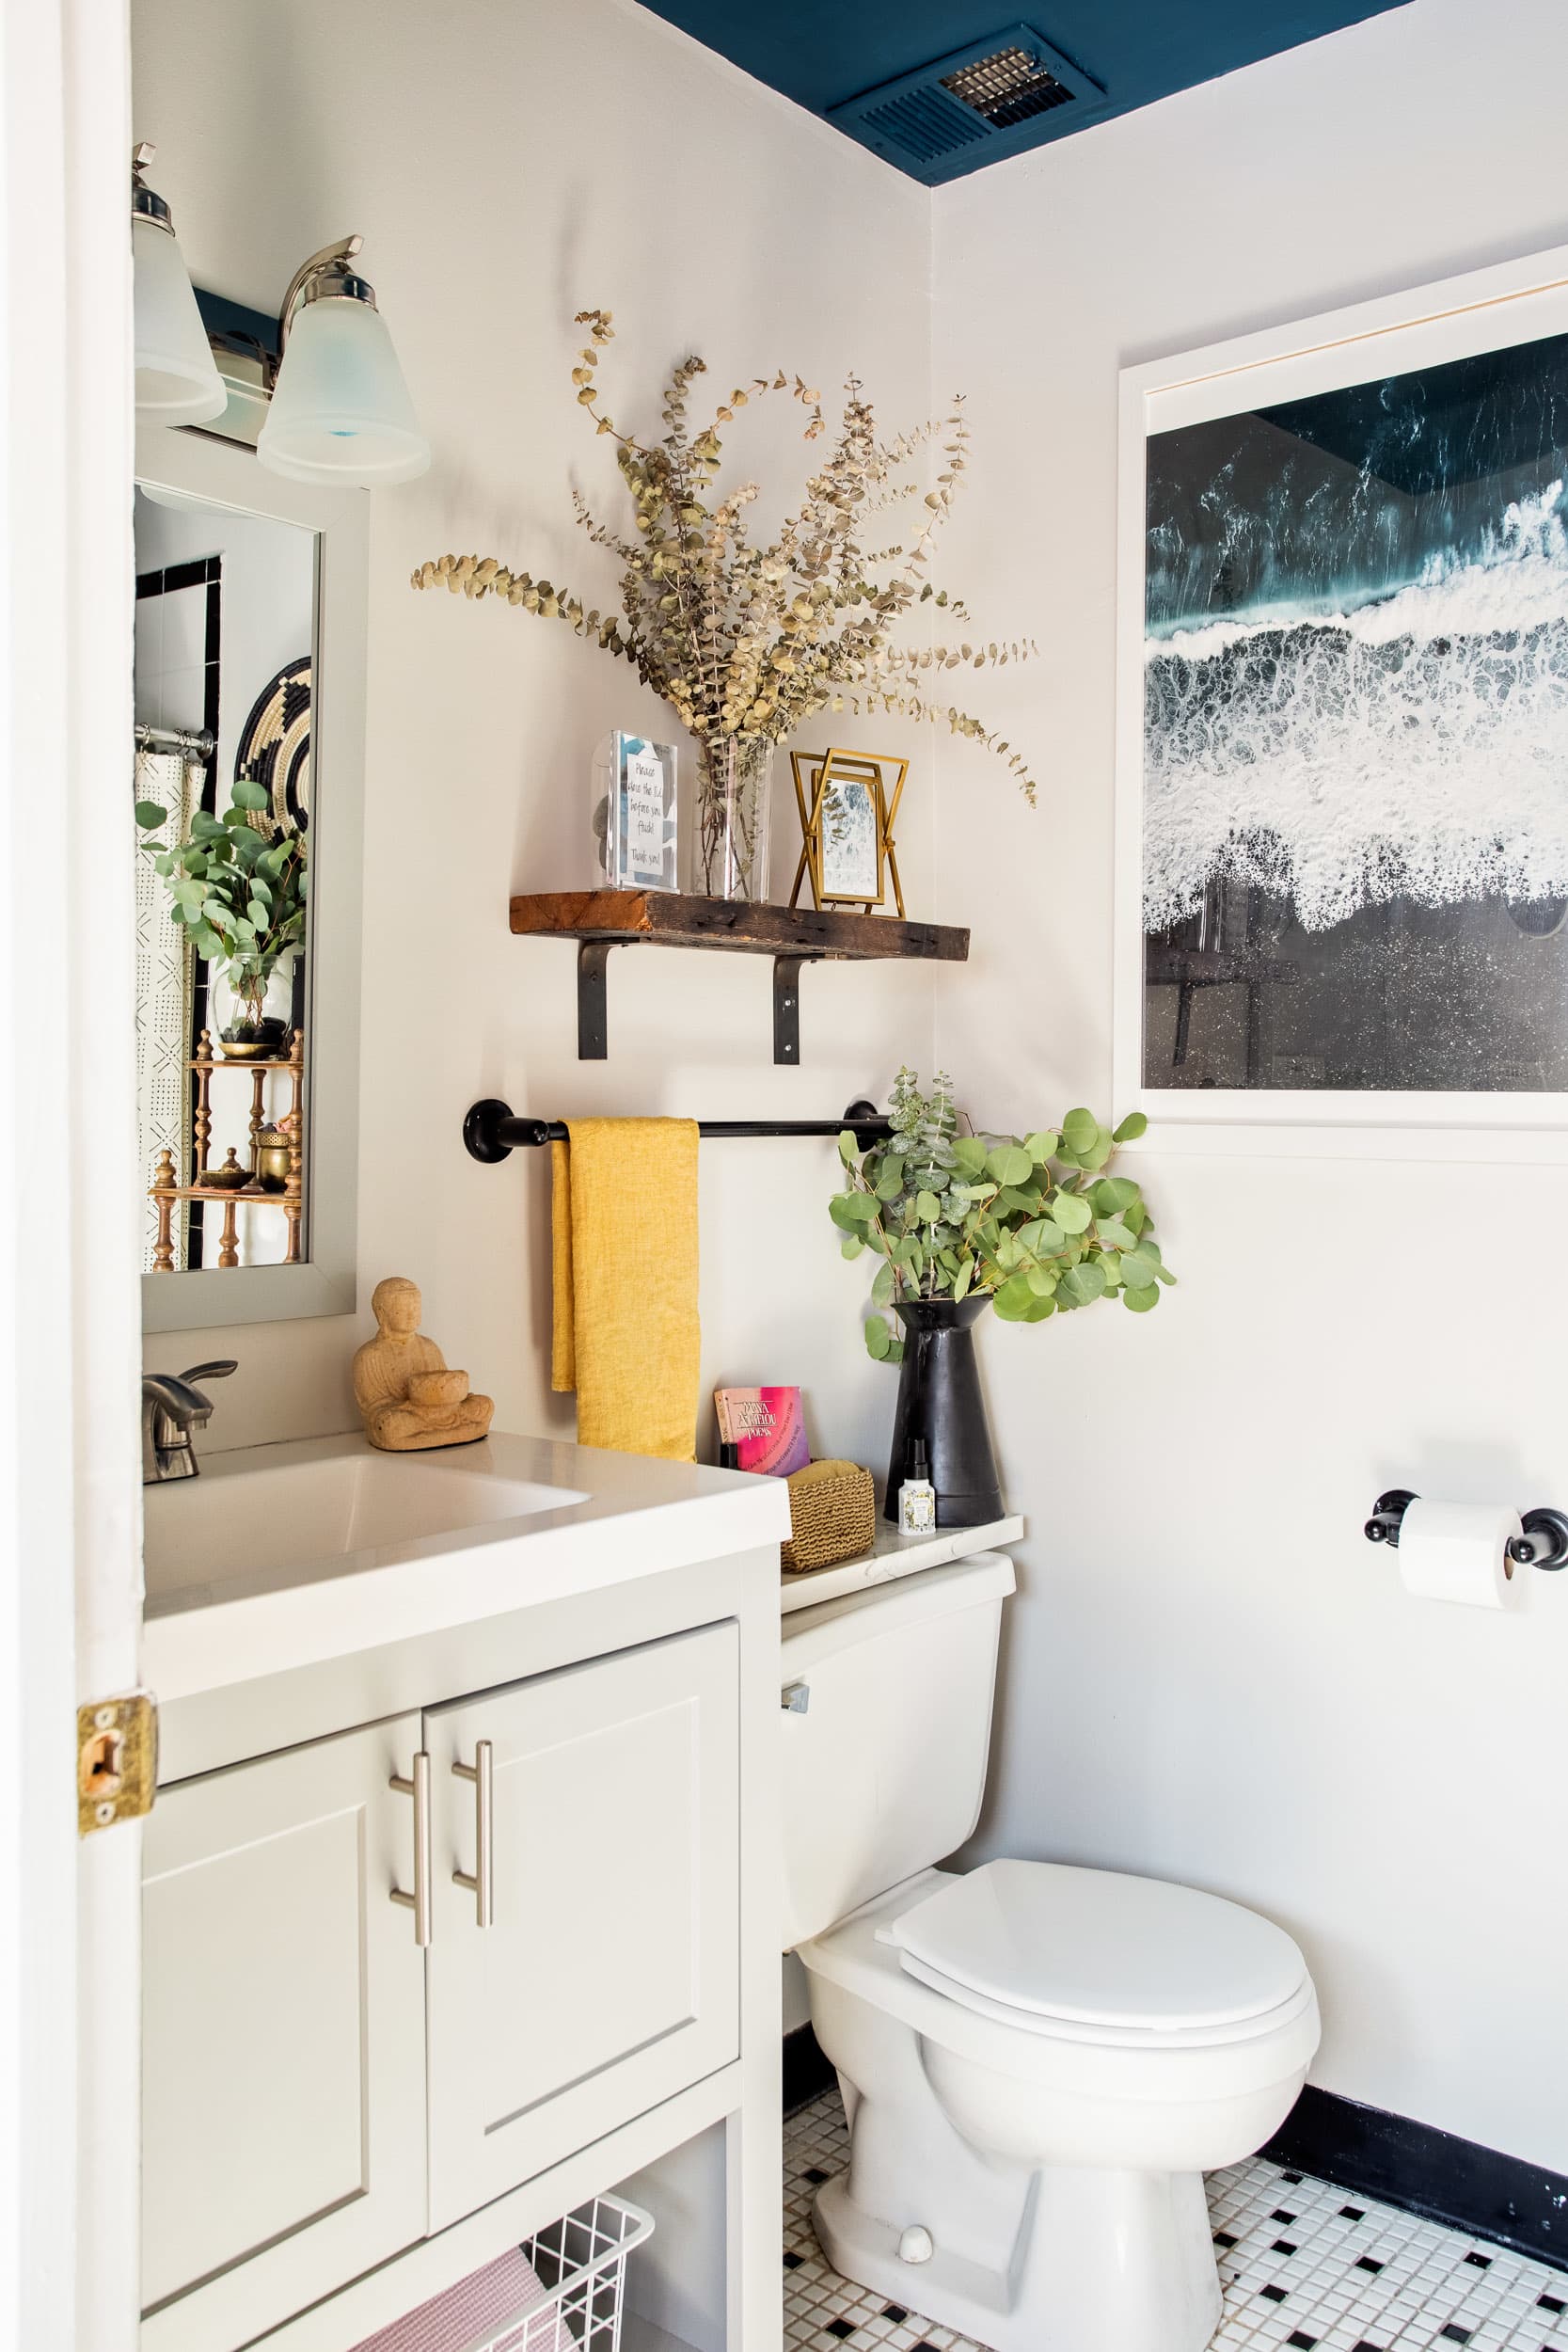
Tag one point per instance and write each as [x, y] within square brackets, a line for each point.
[593, 1001]
[593, 998]
[786, 1006]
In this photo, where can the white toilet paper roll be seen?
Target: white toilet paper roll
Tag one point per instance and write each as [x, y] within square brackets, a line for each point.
[1456, 1551]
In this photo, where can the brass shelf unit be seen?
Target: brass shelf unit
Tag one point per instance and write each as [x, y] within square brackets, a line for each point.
[165, 1192]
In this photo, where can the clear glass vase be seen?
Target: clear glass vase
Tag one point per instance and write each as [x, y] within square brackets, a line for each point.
[734, 793]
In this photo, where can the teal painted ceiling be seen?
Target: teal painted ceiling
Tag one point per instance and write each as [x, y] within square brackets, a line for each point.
[941, 87]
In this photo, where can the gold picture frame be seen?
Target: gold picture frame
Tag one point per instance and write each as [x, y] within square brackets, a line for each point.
[840, 871]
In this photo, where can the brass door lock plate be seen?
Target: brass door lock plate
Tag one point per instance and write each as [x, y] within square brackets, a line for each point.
[117, 1760]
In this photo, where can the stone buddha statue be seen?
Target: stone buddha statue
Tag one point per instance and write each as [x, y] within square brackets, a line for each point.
[407, 1398]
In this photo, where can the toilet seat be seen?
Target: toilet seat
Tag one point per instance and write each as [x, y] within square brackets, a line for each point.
[1100, 2036]
[1045, 2057]
[1100, 1955]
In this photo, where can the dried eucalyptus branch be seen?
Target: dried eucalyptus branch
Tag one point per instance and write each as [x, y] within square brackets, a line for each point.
[747, 642]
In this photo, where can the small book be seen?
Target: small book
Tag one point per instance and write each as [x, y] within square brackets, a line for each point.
[766, 1429]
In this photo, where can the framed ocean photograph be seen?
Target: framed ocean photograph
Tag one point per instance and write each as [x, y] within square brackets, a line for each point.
[1342, 727]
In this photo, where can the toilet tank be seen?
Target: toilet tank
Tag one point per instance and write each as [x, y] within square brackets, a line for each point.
[885, 1770]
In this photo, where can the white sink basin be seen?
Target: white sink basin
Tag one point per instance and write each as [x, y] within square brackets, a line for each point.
[289, 1555]
[305, 1517]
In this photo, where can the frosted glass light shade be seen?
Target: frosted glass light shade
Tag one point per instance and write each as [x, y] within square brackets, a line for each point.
[341, 411]
[177, 379]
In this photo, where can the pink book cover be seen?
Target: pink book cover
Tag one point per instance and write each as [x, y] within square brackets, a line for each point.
[767, 1426]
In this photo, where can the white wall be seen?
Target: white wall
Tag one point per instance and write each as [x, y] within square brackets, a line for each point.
[511, 161]
[1208, 1674]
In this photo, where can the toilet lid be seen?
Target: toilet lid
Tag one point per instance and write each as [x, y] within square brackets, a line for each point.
[1098, 1948]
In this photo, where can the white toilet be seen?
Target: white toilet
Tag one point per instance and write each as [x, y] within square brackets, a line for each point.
[1039, 2063]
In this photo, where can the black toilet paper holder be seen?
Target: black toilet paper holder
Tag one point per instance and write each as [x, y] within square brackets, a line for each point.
[1542, 1544]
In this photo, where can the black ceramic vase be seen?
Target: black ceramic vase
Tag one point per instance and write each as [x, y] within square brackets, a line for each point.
[940, 1399]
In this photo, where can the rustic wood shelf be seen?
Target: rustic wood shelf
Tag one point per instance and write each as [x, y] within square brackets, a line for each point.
[599, 920]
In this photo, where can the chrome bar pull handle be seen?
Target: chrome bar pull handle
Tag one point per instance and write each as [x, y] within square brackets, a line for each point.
[418, 1787]
[481, 1882]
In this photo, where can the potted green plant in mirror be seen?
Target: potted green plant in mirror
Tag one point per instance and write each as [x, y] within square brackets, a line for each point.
[240, 894]
[746, 641]
[1034, 1226]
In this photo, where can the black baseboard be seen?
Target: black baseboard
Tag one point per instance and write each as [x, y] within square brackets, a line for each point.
[806, 2072]
[1427, 2172]
[1413, 2165]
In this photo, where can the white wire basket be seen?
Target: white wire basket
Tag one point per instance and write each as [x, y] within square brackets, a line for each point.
[561, 2291]
[580, 2261]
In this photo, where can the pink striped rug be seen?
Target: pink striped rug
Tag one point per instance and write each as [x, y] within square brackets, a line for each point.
[465, 2314]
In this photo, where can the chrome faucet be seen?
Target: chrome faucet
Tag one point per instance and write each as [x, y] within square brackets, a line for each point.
[172, 1410]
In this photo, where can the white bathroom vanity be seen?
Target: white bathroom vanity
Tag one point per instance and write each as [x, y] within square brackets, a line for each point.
[460, 1895]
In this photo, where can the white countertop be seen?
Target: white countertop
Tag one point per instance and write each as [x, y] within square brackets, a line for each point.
[891, 1556]
[619, 1517]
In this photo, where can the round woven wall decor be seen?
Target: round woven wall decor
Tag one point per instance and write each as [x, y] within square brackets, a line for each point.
[274, 750]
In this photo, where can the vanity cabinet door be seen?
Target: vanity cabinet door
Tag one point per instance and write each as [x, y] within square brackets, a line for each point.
[607, 1979]
[283, 2146]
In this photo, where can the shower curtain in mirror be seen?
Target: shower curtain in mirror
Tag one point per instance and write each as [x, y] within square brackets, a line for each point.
[163, 996]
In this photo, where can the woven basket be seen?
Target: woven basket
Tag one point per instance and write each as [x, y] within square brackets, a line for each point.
[832, 1515]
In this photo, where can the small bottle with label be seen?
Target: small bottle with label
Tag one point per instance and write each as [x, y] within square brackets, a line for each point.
[917, 1497]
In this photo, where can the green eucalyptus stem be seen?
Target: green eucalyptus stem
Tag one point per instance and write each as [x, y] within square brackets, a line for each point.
[238, 893]
[1036, 1223]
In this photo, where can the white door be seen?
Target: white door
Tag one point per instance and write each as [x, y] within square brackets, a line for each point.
[70, 1319]
[283, 2128]
[606, 1978]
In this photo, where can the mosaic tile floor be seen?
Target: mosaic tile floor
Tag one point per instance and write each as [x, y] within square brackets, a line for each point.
[1302, 2265]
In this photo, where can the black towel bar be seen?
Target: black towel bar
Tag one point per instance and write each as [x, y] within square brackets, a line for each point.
[492, 1130]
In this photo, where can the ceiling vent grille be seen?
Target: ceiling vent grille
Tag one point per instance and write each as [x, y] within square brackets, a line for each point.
[974, 106]
[1010, 86]
[923, 123]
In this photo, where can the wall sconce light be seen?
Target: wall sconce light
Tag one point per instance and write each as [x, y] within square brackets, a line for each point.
[339, 411]
[177, 382]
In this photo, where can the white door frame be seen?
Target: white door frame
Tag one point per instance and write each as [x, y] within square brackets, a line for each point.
[70, 1333]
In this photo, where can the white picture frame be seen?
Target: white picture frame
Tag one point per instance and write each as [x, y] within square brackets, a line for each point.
[1467, 315]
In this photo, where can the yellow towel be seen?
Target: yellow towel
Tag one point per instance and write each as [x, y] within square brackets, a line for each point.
[624, 1254]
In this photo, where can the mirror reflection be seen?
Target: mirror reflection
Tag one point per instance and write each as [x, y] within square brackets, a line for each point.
[225, 650]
